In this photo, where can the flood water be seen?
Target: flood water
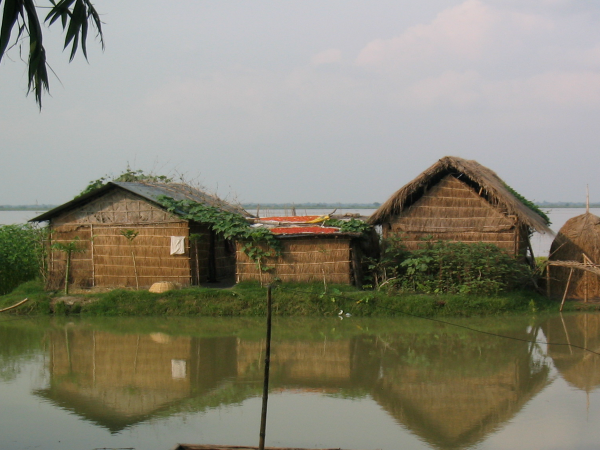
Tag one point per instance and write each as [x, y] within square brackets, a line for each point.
[351, 383]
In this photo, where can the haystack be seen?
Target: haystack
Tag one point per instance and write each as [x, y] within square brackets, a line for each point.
[575, 254]
[459, 200]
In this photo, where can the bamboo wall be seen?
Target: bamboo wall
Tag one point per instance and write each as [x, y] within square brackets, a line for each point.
[302, 260]
[453, 211]
[108, 257]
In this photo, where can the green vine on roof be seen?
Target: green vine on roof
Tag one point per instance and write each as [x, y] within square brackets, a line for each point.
[532, 206]
[129, 175]
[348, 226]
[230, 225]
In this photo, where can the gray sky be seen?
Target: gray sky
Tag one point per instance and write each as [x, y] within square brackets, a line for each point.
[313, 100]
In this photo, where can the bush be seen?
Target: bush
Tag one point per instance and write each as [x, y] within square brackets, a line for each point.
[21, 255]
[452, 268]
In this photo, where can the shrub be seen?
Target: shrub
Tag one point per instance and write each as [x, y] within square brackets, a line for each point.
[21, 255]
[453, 268]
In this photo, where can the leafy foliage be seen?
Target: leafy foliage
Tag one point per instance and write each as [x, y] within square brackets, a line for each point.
[68, 248]
[449, 268]
[129, 175]
[348, 226]
[257, 243]
[75, 16]
[535, 208]
[22, 255]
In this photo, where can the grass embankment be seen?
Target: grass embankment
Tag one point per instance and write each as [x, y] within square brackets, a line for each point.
[249, 299]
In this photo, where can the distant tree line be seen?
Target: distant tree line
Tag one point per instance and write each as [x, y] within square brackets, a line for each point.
[26, 207]
[312, 205]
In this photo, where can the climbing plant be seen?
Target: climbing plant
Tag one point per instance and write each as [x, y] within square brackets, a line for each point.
[348, 226]
[129, 175]
[257, 243]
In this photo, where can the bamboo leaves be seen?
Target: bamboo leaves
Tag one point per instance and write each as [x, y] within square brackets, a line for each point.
[76, 17]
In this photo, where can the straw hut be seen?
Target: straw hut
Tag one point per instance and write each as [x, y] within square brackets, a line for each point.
[574, 256]
[461, 201]
[160, 251]
[310, 252]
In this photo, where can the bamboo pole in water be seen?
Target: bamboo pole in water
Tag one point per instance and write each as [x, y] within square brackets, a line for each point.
[263, 416]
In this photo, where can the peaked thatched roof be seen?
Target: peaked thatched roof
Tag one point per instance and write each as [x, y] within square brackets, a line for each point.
[149, 191]
[483, 180]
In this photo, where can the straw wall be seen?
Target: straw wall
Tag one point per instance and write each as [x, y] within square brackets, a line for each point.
[306, 259]
[117, 206]
[109, 256]
[453, 211]
[108, 259]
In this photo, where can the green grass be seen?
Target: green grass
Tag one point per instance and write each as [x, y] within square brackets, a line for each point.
[289, 300]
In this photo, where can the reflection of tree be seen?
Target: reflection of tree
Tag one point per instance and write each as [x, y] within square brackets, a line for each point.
[581, 369]
[19, 344]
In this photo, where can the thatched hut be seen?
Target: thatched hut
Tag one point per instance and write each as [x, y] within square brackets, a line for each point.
[574, 258]
[159, 249]
[461, 201]
[310, 252]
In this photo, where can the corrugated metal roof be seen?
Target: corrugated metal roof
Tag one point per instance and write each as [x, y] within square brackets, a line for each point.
[150, 192]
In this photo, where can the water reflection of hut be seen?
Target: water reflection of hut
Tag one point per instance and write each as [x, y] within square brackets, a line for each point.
[455, 390]
[574, 258]
[579, 368]
[118, 380]
[311, 364]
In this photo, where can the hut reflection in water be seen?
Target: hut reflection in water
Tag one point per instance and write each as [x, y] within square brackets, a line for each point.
[450, 388]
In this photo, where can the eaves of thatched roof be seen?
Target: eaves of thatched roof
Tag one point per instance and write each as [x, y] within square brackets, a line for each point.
[485, 181]
[150, 192]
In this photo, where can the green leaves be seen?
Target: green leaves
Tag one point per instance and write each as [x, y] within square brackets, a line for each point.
[129, 234]
[21, 253]
[68, 247]
[447, 268]
[348, 226]
[76, 17]
[259, 243]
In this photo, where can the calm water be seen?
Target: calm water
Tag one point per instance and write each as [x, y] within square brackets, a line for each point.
[355, 384]
[540, 242]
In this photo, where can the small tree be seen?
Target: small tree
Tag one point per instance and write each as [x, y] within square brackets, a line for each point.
[130, 235]
[68, 248]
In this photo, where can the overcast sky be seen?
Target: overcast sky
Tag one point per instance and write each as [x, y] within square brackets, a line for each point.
[313, 100]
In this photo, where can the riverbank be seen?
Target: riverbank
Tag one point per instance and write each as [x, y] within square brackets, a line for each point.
[249, 300]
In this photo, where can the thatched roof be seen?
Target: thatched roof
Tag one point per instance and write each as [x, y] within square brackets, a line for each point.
[150, 192]
[483, 180]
